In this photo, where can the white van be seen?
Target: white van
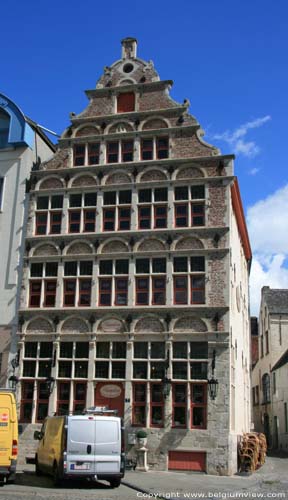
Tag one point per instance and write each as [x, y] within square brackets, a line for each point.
[82, 446]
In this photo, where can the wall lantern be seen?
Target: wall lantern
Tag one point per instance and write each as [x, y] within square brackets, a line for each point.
[212, 382]
[13, 381]
[50, 382]
[166, 386]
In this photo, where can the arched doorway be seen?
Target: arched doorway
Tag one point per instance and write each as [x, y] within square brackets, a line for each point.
[110, 395]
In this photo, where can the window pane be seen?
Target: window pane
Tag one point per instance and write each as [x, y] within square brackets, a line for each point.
[142, 266]
[102, 349]
[145, 195]
[36, 270]
[66, 349]
[197, 192]
[86, 268]
[198, 393]
[64, 369]
[157, 370]
[139, 369]
[156, 393]
[180, 264]
[124, 197]
[181, 193]
[82, 350]
[179, 416]
[51, 269]
[159, 265]
[44, 369]
[46, 349]
[179, 393]
[110, 198]
[160, 194]
[158, 350]
[157, 415]
[139, 393]
[118, 369]
[119, 350]
[122, 266]
[75, 200]
[198, 371]
[179, 370]
[199, 350]
[57, 201]
[30, 349]
[90, 199]
[106, 266]
[141, 350]
[70, 268]
[42, 202]
[139, 415]
[180, 350]
[102, 369]
[29, 368]
[81, 369]
[197, 264]
[198, 416]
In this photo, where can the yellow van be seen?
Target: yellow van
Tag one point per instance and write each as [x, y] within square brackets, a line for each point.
[8, 435]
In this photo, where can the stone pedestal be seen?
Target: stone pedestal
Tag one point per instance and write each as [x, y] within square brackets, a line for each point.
[142, 459]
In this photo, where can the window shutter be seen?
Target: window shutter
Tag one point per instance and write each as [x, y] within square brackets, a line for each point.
[126, 102]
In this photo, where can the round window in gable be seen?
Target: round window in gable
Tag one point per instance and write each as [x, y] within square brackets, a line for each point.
[128, 68]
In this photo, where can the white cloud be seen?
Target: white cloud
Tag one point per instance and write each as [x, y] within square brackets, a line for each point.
[254, 171]
[235, 138]
[268, 230]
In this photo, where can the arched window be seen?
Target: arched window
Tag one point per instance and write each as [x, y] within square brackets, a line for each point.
[4, 128]
[266, 388]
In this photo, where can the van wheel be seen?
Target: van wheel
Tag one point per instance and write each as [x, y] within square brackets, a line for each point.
[115, 483]
[56, 477]
[37, 469]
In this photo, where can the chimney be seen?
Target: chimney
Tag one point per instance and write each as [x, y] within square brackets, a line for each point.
[129, 48]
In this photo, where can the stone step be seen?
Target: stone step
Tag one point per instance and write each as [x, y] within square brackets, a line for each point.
[27, 444]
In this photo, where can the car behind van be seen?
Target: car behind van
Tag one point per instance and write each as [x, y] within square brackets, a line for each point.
[88, 446]
[8, 436]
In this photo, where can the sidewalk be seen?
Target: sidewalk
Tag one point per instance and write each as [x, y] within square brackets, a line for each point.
[272, 478]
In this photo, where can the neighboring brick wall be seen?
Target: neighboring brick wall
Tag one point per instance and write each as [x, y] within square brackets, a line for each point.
[98, 106]
[218, 281]
[156, 100]
[186, 145]
[217, 214]
[61, 159]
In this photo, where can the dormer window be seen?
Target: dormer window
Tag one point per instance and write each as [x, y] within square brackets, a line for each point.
[126, 102]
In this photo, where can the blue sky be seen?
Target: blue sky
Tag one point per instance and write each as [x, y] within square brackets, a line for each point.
[228, 57]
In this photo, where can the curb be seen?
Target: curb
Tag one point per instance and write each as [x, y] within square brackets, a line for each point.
[148, 493]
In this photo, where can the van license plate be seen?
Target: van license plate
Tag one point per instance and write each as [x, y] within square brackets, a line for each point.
[80, 466]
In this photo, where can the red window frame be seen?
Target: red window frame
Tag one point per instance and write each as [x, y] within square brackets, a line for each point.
[69, 293]
[162, 151]
[41, 224]
[79, 157]
[112, 154]
[146, 149]
[181, 216]
[178, 405]
[77, 223]
[123, 292]
[60, 400]
[144, 217]
[139, 404]
[54, 229]
[35, 294]
[124, 218]
[50, 288]
[89, 218]
[41, 401]
[158, 290]
[108, 219]
[142, 290]
[126, 102]
[158, 217]
[79, 402]
[93, 153]
[181, 289]
[199, 405]
[156, 404]
[105, 292]
[85, 293]
[127, 149]
[197, 289]
[27, 387]
[198, 215]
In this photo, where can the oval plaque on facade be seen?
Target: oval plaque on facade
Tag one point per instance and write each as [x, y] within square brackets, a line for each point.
[110, 391]
[111, 325]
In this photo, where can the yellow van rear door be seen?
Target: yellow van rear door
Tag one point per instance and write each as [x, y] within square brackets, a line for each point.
[5, 435]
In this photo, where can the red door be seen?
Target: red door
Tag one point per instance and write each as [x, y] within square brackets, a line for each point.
[111, 395]
[187, 460]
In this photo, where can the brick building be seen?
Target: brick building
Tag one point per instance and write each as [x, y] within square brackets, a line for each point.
[136, 275]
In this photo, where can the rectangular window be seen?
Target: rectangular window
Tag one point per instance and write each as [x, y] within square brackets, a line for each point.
[158, 290]
[179, 401]
[74, 221]
[144, 217]
[50, 293]
[35, 293]
[55, 222]
[105, 291]
[126, 102]
[85, 292]
[127, 151]
[139, 405]
[79, 155]
[151, 205]
[41, 223]
[156, 406]
[183, 198]
[196, 294]
[79, 403]
[113, 290]
[180, 290]
[89, 221]
[124, 217]
[112, 152]
[197, 290]
[121, 291]
[160, 216]
[108, 219]
[147, 149]
[69, 292]
[198, 406]
[48, 217]
[93, 153]
[63, 398]
[162, 148]
[142, 291]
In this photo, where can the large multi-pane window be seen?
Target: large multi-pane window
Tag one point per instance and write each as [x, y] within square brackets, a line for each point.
[155, 148]
[150, 281]
[119, 151]
[48, 215]
[152, 208]
[189, 206]
[43, 284]
[77, 283]
[113, 282]
[37, 359]
[190, 360]
[110, 360]
[82, 212]
[86, 153]
[116, 210]
[149, 360]
[73, 360]
[189, 280]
